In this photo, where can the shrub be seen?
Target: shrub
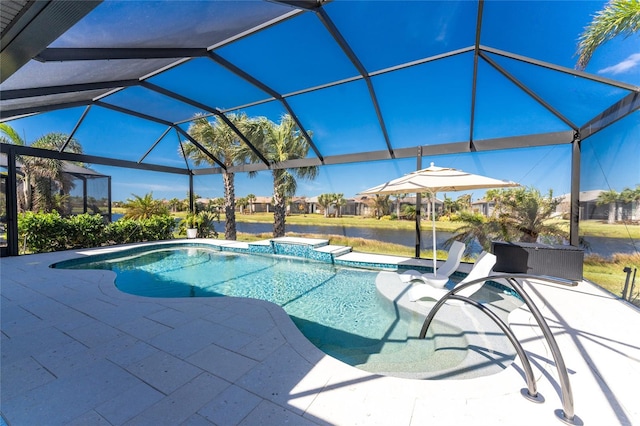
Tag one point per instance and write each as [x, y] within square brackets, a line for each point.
[45, 232]
[123, 231]
[42, 232]
[157, 228]
[85, 230]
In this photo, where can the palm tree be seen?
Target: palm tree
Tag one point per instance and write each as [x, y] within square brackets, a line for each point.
[618, 17]
[324, 201]
[338, 202]
[463, 202]
[477, 228]
[399, 198]
[242, 203]
[524, 213]
[279, 143]
[251, 199]
[221, 141]
[41, 175]
[144, 207]
[610, 197]
[174, 204]
[629, 195]
[381, 205]
[409, 212]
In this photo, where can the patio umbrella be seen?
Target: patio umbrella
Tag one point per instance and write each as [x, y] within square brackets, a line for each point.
[435, 179]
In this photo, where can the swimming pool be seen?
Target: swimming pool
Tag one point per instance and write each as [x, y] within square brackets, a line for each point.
[337, 308]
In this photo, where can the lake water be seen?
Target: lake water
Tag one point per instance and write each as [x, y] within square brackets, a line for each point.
[602, 246]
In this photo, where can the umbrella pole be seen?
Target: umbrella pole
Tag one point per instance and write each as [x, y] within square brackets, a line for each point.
[418, 202]
[418, 233]
[433, 229]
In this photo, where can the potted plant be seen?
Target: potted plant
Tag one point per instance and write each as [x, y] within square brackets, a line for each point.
[190, 224]
[200, 224]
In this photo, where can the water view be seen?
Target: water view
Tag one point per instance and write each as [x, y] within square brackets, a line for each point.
[603, 246]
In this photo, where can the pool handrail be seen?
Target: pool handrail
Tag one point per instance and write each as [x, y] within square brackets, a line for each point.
[567, 414]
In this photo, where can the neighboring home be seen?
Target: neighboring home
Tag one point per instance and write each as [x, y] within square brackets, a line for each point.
[589, 208]
[425, 205]
[359, 206]
[298, 205]
[363, 205]
[312, 205]
[262, 205]
[483, 207]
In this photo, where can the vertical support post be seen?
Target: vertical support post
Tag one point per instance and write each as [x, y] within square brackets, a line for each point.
[85, 192]
[109, 212]
[626, 270]
[418, 203]
[191, 199]
[574, 213]
[12, 204]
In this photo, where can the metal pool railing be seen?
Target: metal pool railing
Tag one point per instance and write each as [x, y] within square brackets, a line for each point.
[567, 413]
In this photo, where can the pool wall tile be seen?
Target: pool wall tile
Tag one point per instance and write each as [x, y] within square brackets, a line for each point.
[298, 250]
[260, 249]
[320, 256]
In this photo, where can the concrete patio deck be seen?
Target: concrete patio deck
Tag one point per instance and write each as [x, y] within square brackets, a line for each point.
[75, 350]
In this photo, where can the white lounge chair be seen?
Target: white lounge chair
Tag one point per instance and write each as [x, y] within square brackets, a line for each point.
[442, 274]
[482, 268]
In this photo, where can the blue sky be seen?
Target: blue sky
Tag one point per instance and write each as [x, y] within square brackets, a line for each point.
[431, 110]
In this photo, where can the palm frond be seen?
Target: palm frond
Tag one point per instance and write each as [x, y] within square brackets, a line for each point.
[619, 17]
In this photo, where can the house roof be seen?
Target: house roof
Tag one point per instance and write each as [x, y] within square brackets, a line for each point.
[584, 196]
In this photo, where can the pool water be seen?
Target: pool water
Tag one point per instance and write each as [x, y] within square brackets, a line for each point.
[337, 308]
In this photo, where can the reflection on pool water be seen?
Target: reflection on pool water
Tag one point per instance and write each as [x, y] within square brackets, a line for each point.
[337, 308]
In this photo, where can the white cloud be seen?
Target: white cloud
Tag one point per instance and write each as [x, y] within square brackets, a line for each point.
[629, 63]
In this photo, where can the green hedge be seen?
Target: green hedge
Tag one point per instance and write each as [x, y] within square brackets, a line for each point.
[45, 232]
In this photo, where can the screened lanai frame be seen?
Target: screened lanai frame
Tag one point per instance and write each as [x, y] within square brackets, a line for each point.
[54, 57]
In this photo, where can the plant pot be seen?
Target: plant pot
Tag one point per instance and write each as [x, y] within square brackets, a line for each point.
[192, 233]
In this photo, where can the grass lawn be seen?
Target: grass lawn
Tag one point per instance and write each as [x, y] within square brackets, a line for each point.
[596, 228]
[354, 221]
[609, 274]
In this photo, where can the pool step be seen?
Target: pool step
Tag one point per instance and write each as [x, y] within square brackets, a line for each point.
[335, 250]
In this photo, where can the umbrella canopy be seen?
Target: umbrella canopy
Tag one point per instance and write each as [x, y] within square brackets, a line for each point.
[435, 179]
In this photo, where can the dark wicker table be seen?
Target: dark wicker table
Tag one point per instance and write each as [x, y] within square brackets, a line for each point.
[539, 259]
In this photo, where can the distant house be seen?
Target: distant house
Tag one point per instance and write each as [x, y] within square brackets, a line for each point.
[483, 207]
[364, 205]
[263, 205]
[298, 205]
[589, 208]
[358, 206]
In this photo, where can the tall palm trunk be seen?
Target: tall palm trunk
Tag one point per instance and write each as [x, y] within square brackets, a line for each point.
[279, 204]
[229, 206]
[612, 213]
[28, 192]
